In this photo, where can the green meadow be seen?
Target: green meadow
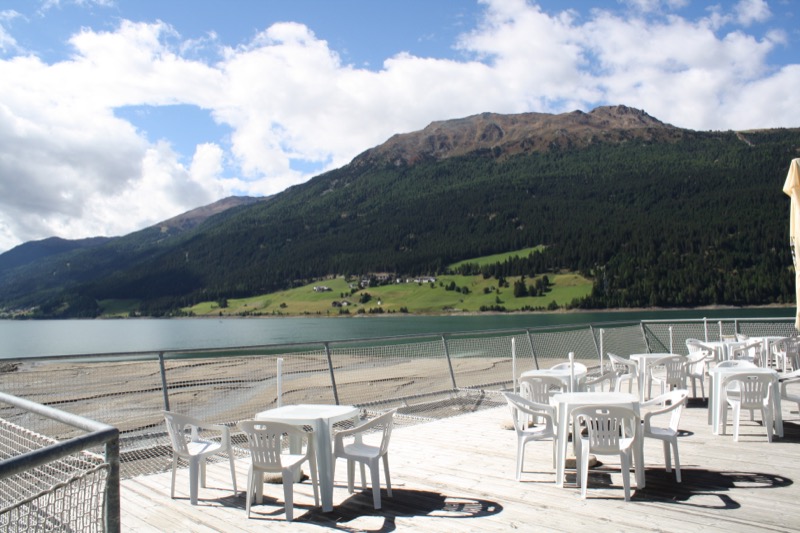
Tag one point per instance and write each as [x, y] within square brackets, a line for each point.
[448, 294]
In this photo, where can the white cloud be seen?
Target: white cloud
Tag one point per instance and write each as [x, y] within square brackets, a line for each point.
[751, 11]
[70, 167]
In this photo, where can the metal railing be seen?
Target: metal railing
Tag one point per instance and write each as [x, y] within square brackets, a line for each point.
[48, 484]
[425, 376]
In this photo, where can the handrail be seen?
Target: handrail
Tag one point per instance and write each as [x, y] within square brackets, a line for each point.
[99, 434]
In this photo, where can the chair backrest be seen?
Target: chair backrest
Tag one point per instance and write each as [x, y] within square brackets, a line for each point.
[578, 367]
[742, 337]
[603, 382]
[736, 364]
[522, 408]
[538, 389]
[620, 365]
[266, 440]
[726, 338]
[696, 362]
[177, 425]
[606, 425]
[749, 352]
[671, 402]
[672, 369]
[753, 389]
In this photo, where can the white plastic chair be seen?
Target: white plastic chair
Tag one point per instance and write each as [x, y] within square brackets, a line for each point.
[606, 382]
[671, 403]
[751, 392]
[786, 353]
[268, 444]
[794, 394]
[539, 388]
[669, 372]
[521, 411]
[357, 450]
[696, 370]
[579, 367]
[189, 442]
[736, 364]
[625, 369]
[751, 351]
[610, 430]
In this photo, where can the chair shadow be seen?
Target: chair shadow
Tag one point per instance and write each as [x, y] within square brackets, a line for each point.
[696, 482]
[356, 513]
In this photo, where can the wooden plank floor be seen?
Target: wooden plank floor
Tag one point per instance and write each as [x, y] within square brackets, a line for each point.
[458, 475]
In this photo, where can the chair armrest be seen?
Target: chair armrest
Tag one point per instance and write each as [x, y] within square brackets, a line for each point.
[791, 377]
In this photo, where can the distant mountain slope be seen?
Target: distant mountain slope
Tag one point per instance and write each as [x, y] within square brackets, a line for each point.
[33, 251]
[656, 215]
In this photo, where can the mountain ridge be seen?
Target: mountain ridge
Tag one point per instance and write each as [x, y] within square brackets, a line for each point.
[637, 205]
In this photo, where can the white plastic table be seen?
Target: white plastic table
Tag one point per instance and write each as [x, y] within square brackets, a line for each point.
[565, 402]
[643, 361]
[321, 418]
[717, 402]
[562, 374]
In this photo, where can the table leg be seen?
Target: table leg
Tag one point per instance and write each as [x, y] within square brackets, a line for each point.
[563, 435]
[325, 465]
[777, 416]
[638, 458]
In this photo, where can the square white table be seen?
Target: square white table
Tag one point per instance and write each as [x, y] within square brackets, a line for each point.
[561, 373]
[565, 402]
[321, 418]
[717, 402]
[643, 362]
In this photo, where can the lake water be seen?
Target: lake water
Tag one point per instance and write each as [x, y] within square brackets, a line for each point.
[34, 338]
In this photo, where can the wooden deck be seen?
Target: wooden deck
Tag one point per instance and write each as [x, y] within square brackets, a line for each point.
[457, 474]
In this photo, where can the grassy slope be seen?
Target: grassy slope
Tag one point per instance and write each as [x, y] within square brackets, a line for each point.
[417, 298]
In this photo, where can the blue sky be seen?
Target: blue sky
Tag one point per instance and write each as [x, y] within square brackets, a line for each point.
[117, 114]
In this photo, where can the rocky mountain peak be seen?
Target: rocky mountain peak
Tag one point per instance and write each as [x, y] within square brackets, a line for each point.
[504, 135]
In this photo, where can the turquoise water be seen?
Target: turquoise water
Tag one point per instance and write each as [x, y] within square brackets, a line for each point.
[73, 337]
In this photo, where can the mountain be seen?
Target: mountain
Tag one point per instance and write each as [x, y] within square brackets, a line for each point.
[655, 215]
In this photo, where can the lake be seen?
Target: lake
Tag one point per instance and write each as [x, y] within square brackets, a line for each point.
[32, 338]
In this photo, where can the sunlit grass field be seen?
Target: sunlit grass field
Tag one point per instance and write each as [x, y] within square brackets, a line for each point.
[471, 294]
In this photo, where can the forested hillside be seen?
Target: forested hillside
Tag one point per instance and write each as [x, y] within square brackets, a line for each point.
[694, 219]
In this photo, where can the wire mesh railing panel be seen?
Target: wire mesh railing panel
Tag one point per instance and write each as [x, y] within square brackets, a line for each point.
[620, 340]
[383, 374]
[66, 494]
[553, 347]
[122, 394]
[764, 328]
[484, 362]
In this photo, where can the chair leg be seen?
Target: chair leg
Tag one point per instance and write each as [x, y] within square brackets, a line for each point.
[312, 462]
[386, 475]
[375, 473]
[584, 469]
[251, 489]
[194, 475]
[520, 455]
[766, 416]
[288, 492]
[174, 468]
[677, 460]
[351, 471]
[667, 457]
[233, 470]
[625, 460]
[737, 411]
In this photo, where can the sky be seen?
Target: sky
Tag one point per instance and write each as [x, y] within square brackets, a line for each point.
[118, 114]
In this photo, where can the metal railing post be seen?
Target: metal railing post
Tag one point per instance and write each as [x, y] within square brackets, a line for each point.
[333, 377]
[530, 342]
[449, 362]
[113, 518]
[164, 389]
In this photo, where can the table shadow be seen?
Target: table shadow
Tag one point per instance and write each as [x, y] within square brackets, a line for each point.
[356, 513]
[697, 482]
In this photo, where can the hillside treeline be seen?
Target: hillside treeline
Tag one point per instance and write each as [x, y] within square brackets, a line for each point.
[697, 222]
